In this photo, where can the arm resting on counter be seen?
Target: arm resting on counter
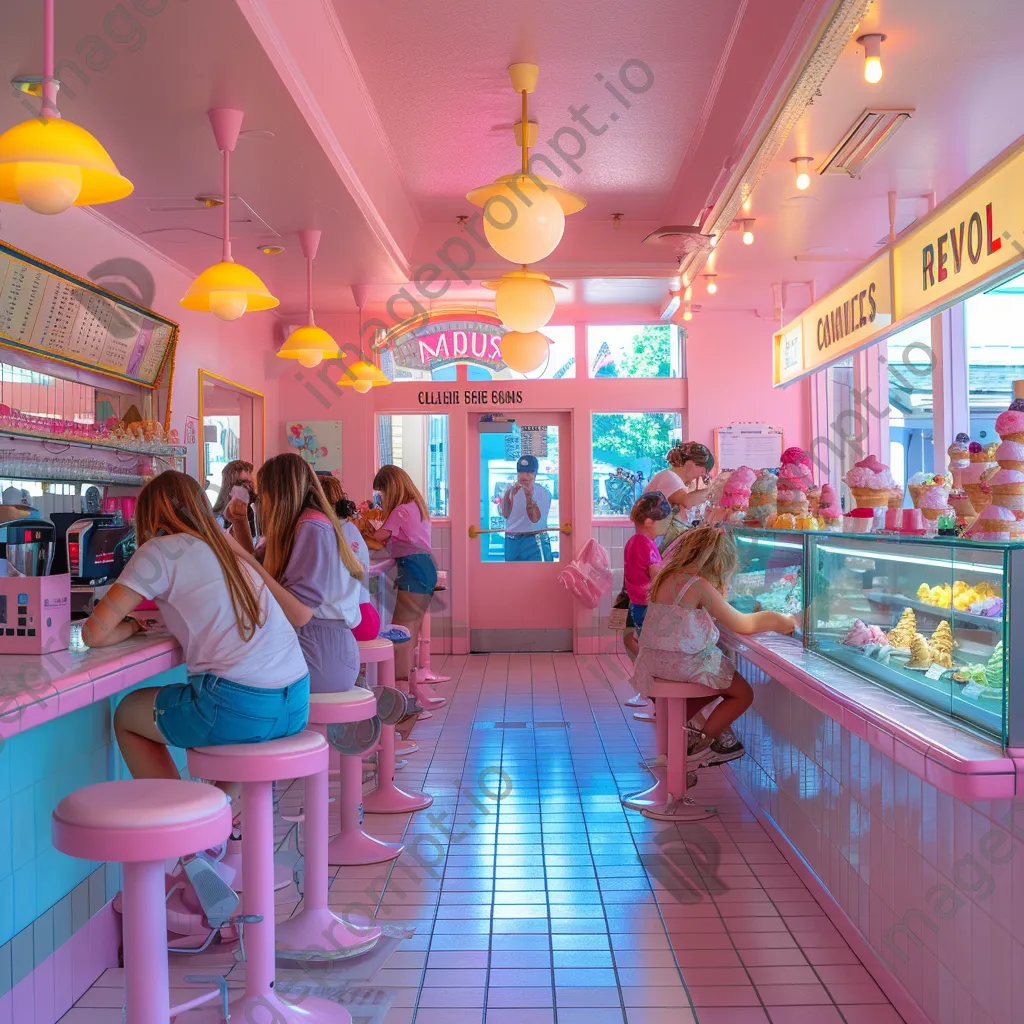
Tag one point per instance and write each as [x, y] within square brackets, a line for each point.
[108, 623]
[743, 622]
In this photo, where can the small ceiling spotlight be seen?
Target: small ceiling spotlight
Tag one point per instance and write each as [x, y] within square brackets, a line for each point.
[687, 313]
[270, 250]
[872, 44]
[803, 175]
[748, 231]
[617, 220]
[712, 283]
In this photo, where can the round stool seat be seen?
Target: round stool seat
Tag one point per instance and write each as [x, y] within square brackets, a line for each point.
[373, 651]
[672, 689]
[293, 757]
[141, 820]
[354, 705]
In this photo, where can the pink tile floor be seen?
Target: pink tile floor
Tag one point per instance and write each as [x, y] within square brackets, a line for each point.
[537, 898]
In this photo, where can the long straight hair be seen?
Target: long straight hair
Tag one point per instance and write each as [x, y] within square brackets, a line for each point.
[287, 487]
[173, 503]
[396, 488]
[705, 551]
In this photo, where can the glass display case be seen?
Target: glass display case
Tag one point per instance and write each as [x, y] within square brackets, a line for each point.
[930, 619]
[770, 573]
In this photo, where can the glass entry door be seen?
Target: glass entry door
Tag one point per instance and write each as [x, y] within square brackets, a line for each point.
[520, 473]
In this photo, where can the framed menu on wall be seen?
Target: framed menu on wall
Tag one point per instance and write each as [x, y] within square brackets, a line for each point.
[49, 312]
[756, 445]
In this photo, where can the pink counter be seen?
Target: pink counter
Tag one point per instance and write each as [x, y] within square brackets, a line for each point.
[906, 827]
[34, 690]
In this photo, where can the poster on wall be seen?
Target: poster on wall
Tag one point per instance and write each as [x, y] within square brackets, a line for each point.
[756, 445]
[318, 442]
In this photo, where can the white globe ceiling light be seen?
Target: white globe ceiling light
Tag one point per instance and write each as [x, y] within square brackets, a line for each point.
[872, 44]
[524, 214]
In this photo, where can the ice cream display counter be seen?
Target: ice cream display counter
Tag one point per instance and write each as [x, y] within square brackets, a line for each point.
[928, 619]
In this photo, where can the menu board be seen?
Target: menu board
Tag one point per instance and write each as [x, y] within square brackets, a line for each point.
[49, 312]
[756, 445]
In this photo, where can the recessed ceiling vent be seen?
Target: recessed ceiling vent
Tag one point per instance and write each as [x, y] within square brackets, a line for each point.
[872, 130]
[686, 239]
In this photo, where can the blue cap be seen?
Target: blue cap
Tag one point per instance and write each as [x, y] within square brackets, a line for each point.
[527, 464]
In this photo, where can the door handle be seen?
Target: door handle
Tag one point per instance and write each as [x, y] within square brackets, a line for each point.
[566, 528]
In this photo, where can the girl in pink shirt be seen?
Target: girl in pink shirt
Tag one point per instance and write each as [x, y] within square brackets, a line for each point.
[406, 534]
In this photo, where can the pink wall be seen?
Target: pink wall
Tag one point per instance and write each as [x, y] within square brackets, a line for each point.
[79, 240]
[728, 365]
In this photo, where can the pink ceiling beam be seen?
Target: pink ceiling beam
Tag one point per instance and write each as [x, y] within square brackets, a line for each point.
[316, 64]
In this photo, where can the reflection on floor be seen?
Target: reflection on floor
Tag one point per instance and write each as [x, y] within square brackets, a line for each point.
[537, 898]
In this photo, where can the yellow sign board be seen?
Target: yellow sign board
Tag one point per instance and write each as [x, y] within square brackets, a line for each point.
[848, 318]
[969, 238]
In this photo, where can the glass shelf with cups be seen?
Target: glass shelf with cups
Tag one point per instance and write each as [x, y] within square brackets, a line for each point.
[929, 618]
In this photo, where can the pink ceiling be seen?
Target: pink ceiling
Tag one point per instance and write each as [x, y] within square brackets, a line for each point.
[148, 107]
[958, 69]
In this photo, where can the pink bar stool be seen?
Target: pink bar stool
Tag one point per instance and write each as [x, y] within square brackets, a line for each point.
[257, 766]
[140, 823]
[351, 846]
[421, 674]
[671, 699]
[387, 798]
[658, 794]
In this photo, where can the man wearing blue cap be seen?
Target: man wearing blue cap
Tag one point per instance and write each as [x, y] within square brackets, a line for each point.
[524, 507]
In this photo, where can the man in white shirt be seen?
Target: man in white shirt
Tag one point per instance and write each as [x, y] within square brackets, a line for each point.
[524, 507]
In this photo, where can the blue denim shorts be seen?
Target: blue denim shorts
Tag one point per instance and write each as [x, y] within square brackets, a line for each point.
[416, 574]
[207, 711]
[637, 612]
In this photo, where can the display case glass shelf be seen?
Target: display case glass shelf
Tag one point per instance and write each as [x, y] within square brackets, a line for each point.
[931, 619]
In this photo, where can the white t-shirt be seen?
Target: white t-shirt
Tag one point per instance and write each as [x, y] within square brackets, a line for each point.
[362, 552]
[518, 521]
[667, 481]
[182, 575]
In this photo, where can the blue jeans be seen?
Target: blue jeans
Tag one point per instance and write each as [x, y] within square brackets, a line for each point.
[207, 711]
[527, 547]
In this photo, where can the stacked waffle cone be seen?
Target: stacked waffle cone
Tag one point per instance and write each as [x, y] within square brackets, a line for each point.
[1004, 518]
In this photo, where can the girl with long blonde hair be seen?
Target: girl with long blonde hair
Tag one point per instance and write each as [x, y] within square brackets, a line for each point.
[406, 534]
[680, 636]
[311, 569]
[247, 681]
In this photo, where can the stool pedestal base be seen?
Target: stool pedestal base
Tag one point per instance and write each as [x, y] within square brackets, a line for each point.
[320, 935]
[656, 796]
[272, 1009]
[387, 798]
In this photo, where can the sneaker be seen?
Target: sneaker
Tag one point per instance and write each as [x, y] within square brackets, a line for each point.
[396, 634]
[661, 761]
[721, 751]
[691, 780]
[698, 750]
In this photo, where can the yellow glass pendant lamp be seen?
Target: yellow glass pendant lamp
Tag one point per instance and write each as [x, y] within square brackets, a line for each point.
[524, 351]
[309, 345]
[227, 289]
[524, 299]
[524, 214]
[49, 164]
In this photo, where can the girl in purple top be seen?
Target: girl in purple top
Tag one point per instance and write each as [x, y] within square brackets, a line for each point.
[311, 570]
[406, 533]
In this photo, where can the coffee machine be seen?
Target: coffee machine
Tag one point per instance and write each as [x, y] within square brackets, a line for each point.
[93, 547]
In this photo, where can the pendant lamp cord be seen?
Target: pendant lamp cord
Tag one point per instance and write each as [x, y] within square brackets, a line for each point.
[227, 207]
[309, 290]
[49, 107]
[526, 137]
